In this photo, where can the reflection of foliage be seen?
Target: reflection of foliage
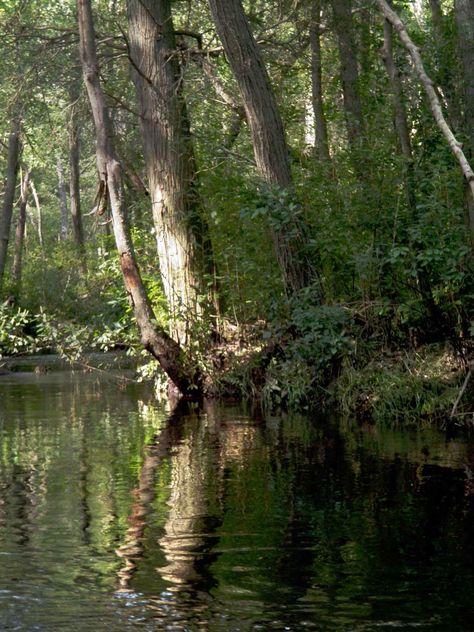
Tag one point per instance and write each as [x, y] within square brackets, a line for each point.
[280, 520]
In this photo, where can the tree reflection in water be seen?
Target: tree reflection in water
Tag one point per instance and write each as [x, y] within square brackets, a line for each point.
[199, 448]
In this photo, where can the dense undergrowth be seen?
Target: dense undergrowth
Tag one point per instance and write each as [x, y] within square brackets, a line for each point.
[310, 357]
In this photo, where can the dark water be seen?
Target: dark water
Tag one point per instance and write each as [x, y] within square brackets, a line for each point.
[115, 516]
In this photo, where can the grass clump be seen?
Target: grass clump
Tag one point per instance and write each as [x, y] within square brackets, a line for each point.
[407, 388]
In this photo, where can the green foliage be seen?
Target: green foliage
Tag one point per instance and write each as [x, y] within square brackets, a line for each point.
[14, 325]
[314, 339]
[368, 242]
[407, 389]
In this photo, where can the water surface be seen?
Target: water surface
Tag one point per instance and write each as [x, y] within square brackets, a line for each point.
[116, 515]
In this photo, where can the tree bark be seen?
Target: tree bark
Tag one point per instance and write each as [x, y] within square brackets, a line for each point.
[14, 148]
[74, 178]
[62, 200]
[342, 10]
[268, 137]
[401, 122]
[321, 135]
[39, 213]
[183, 241]
[428, 86]
[154, 338]
[20, 234]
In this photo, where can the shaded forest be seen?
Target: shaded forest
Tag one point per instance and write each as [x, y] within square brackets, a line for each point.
[269, 199]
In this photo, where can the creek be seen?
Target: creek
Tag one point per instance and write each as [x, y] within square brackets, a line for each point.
[117, 515]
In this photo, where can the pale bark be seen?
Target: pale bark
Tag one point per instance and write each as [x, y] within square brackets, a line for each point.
[62, 200]
[431, 93]
[321, 135]
[183, 242]
[20, 233]
[268, 137]
[39, 213]
[14, 148]
[342, 10]
[153, 337]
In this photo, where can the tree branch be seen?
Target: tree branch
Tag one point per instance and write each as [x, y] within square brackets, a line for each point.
[428, 85]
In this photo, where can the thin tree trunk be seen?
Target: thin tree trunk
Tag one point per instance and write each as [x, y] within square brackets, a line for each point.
[343, 23]
[238, 112]
[20, 233]
[444, 61]
[39, 213]
[183, 241]
[401, 124]
[428, 86]
[321, 135]
[14, 148]
[62, 200]
[464, 13]
[74, 178]
[266, 127]
[153, 337]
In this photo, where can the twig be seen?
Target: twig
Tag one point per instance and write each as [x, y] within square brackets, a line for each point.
[461, 392]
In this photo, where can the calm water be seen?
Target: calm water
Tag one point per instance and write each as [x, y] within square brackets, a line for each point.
[117, 516]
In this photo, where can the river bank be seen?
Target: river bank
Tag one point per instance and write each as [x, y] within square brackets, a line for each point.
[366, 383]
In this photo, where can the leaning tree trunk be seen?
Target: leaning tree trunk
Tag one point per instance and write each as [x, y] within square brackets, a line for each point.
[154, 338]
[20, 234]
[268, 137]
[183, 241]
[430, 90]
[14, 146]
[321, 134]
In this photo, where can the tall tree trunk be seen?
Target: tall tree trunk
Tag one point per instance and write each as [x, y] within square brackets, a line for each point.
[14, 148]
[343, 23]
[321, 135]
[74, 178]
[62, 200]
[154, 338]
[401, 124]
[270, 149]
[464, 14]
[20, 233]
[183, 241]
